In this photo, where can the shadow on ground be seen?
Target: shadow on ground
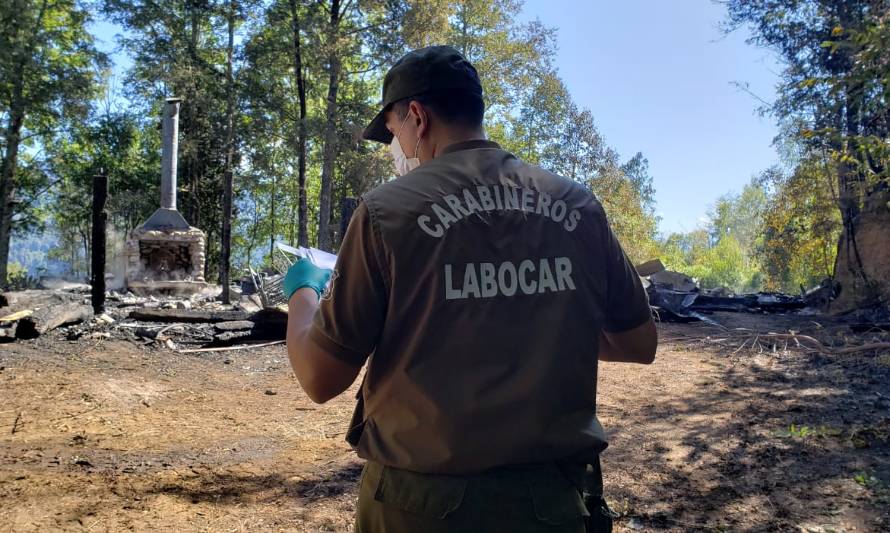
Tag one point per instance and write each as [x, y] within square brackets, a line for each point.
[791, 443]
[222, 488]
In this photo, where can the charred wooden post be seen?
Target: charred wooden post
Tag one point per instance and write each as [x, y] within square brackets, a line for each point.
[100, 218]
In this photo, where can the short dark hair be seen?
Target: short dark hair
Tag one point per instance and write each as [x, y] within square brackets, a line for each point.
[459, 108]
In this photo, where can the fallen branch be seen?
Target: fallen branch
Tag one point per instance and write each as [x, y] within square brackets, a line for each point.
[795, 337]
[15, 423]
[864, 347]
[167, 328]
[75, 415]
[229, 348]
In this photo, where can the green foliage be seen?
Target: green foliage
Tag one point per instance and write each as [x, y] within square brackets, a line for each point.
[804, 432]
[832, 104]
[740, 216]
[635, 228]
[867, 480]
[48, 50]
[724, 253]
[725, 265]
[834, 84]
[800, 228]
[18, 278]
[122, 148]
[49, 72]
[529, 112]
[181, 50]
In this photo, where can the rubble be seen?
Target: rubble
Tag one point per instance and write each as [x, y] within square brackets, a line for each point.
[174, 321]
[676, 297]
[29, 314]
[675, 281]
[36, 298]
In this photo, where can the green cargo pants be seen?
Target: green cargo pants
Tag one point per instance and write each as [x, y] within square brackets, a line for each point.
[536, 498]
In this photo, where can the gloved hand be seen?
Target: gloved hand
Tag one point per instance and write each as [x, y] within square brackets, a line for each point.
[304, 273]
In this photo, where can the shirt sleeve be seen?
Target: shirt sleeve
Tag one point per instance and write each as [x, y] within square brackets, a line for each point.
[351, 313]
[627, 304]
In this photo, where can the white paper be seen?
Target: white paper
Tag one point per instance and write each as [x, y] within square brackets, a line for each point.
[319, 258]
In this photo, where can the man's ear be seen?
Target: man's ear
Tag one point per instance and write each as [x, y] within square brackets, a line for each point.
[421, 118]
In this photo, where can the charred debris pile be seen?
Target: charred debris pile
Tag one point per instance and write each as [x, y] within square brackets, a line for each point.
[676, 297]
[197, 321]
[179, 322]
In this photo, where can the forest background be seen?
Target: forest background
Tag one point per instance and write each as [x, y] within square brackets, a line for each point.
[276, 93]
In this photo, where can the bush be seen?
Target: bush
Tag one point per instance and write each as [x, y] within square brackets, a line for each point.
[17, 278]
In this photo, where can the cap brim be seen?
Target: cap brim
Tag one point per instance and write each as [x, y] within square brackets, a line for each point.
[376, 130]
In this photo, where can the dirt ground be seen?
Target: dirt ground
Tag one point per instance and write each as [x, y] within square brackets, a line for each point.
[715, 436]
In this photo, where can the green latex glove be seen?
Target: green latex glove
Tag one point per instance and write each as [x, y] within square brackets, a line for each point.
[304, 273]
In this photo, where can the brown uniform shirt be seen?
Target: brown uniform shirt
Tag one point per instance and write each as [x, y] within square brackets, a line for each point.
[478, 286]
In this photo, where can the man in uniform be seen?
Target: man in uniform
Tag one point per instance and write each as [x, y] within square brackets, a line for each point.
[481, 291]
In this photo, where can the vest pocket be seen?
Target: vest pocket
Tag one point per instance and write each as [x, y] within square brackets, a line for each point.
[433, 496]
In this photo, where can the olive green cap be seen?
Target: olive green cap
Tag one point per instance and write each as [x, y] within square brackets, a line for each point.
[425, 70]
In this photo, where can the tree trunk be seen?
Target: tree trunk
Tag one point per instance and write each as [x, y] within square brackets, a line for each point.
[7, 172]
[272, 218]
[99, 219]
[330, 138]
[226, 233]
[849, 269]
[861, 268]
[254, 228]
[870, 285]
[85, 242]
[302, 209]
[17, 113]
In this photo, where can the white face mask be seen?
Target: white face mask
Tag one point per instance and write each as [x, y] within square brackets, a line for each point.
[403, 163]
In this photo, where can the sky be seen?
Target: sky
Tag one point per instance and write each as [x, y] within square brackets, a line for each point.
[657, 76]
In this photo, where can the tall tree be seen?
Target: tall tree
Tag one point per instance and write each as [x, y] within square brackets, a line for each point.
[113, 143]
[228, 171]
[800, 226]
[179, 49]
[834, 90]
[301, 137]
[49, 71]
[637, 171]
[334, 65]
[741, 215]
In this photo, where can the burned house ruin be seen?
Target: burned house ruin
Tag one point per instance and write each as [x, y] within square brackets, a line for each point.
[165, 254]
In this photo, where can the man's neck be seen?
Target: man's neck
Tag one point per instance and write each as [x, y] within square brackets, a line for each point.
[444, 141]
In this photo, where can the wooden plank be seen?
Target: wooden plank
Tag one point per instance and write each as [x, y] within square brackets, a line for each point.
[188, 315]
[228, 336]
[236, 325]
[17, 316]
